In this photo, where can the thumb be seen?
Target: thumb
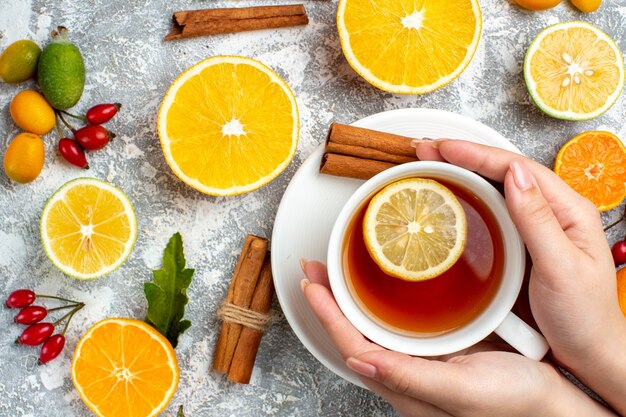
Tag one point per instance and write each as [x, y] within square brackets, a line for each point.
[431, 381]
[535, 221]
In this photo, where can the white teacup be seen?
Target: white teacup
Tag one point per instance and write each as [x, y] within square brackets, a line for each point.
[497, 316]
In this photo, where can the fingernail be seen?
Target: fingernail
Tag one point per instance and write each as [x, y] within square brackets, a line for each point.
[521, 176]
[416, 142]
[303, 262]
[361, 367]
[304, 283]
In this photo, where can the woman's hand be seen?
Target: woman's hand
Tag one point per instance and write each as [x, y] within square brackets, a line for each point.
[572, 289]
[486, 380]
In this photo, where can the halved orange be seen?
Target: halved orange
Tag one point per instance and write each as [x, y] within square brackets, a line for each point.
[228, 125]
[125, 368]
[409, 46]
[594, 164]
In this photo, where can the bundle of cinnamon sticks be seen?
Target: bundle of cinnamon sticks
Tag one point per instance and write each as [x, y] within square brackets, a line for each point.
[245, 311]
[360, 153]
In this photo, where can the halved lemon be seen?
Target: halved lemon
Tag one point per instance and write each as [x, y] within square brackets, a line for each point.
[88, 228]
[228, 125]
[415, 229]
[125, 368]
[574, 71]
[409, 46]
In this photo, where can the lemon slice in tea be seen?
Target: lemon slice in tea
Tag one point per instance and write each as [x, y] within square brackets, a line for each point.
[415, 229]
[88, 228]
[574, 71]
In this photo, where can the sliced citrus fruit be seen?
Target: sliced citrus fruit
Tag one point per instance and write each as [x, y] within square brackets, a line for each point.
[228, 125]
[621, 289]
[409, 46]
[88, 228]
[574, 71]
[125, 368]
[594, 164]
[415, 229]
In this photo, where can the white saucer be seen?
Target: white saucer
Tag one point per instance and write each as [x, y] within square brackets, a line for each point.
[312, 202]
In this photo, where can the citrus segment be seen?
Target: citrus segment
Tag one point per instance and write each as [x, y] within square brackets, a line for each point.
[574, 71]
[124, 367]
[407, 46]
[621, 289]
[415, 229]
[594, 164]
[88, 228]
[228, 125]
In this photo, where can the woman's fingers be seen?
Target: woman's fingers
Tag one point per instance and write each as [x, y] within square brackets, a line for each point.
[406, 406]
[430, 381]
[348, 340]
[315, 271]
[494, 163]
[541, 231]
[576, 215]
[426, 151]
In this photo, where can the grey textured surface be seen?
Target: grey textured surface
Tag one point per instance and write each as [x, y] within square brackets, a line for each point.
[127, 61]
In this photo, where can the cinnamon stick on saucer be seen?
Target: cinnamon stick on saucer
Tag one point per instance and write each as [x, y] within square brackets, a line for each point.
[360, 153]
[190, 23]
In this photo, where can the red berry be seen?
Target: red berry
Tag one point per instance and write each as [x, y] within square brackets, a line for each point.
[619, 253]
[102, 113]
[20, 298]
[51, 348]
[73, 153]
[35, 334]
[31, 315]
[93, 137]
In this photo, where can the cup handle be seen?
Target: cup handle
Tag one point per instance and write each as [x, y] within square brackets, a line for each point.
[522, 337]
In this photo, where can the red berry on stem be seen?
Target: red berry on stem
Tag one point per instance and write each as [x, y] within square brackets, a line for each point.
[93, 137]
[31, 315]
[619, 253]
[102, 113]
[73, 153]
[35, 334]
[20, 298]
[51, 348]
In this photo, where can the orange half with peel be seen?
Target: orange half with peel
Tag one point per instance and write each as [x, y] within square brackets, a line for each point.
[594, 164]
[409, 46]
[125, 368]
[228, 125]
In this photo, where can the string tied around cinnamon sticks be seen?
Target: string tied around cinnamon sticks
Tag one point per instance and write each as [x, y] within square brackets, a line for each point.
[245, 311]
[232, 313]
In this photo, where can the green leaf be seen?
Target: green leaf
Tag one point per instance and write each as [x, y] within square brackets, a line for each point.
[180, 412]
[167, 294]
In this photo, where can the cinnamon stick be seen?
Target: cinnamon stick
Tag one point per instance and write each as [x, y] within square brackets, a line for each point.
[361, 153]
[190, 23]
[240, 294]
[351, 167]
[250, 339]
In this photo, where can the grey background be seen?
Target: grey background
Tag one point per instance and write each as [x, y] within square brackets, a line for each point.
[127, 61]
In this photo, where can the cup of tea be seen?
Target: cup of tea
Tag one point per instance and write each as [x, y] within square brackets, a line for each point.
[454, 310]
